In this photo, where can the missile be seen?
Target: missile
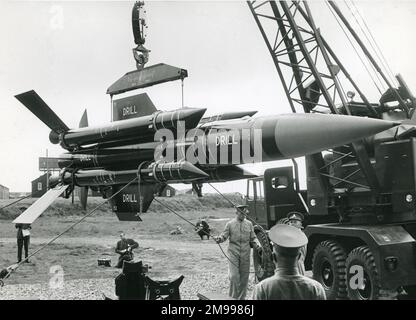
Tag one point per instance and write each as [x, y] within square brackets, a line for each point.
[105, 158]
[192, 123]
[282, 137]
[268, 139]
[181, 171]
[126, 157]
[110, 157]
[130, 128]
[117, 130]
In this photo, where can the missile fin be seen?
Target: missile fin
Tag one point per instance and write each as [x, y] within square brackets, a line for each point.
[126, 204]
[84, 120]
[40, 109]
[37, 208]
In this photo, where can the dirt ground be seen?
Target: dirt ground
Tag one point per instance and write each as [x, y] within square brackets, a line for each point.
[78, 250]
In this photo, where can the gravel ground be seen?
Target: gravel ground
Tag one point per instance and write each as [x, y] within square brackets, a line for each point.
[92, 289]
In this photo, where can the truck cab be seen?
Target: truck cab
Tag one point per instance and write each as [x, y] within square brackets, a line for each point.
[272, 196]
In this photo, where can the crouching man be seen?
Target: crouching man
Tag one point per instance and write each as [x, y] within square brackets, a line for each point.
[125, 249]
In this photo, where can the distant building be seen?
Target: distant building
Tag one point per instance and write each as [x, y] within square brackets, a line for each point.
[39, 186]
[4, 192]
[168, 192]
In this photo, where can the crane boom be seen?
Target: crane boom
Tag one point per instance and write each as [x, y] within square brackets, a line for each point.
[311, 74]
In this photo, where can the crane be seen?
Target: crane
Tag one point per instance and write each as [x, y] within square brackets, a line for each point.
[358, 193]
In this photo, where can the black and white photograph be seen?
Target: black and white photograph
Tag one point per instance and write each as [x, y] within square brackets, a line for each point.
[226, 151]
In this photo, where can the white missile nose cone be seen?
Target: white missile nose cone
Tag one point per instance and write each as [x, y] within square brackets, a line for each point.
[302, 134]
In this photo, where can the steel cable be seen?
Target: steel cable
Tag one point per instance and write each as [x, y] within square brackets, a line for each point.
[381, 57]
[208, 234]
[355, 49]
[69, 228]
[18, 200]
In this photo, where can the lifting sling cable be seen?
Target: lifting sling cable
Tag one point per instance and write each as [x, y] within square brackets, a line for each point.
[16, 201]
[377, 73]
[369, 42]
[369, 67]
[376, 49]
[70, 227]
[190, 222]
[182, 91]
[356, 51]
[402, 104]
[240, 211]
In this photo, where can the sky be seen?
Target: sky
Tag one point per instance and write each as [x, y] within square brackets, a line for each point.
[70, 52]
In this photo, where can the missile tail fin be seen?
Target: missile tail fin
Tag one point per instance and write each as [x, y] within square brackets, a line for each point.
[135, 106]
[37, 208]
[126, 204]
[40, 109]
[84, 120]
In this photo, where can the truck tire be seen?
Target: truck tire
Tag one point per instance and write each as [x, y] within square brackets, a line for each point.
[328, 267]
[263, 264]
[369, 289]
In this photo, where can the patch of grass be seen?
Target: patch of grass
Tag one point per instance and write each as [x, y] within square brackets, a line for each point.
[183, 202]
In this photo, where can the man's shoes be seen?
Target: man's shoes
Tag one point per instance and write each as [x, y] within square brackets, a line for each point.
[27, 261]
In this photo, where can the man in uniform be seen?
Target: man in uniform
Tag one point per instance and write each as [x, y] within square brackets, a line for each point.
[241, 237]
[125, 249]
[288, 283]
[296, 220]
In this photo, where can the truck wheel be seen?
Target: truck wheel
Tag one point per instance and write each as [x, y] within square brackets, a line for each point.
[366, 287]
[328, 267]
[263, 264]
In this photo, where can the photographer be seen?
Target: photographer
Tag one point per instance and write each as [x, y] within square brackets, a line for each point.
[125, 249]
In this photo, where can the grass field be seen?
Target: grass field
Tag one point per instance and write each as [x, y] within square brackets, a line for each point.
[77, 250]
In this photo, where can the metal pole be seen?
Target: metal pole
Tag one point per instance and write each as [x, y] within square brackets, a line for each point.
[308, 59]
[327, 60]
[47, 170]
[111, 108]
[182, 82]
[292, 57]
[343, 69]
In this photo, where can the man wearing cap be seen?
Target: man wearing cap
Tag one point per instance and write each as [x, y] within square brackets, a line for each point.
[241, 237]
[296, 220]
[288, 283]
